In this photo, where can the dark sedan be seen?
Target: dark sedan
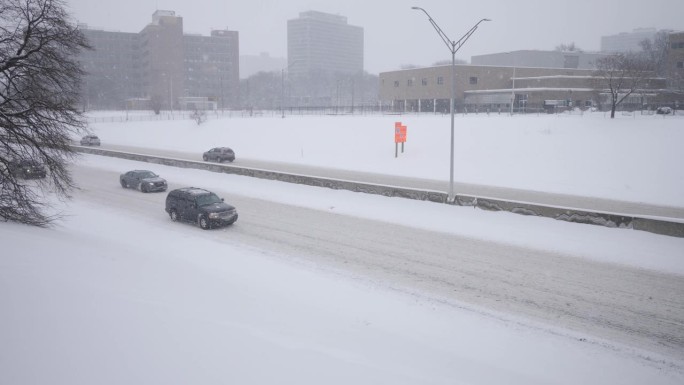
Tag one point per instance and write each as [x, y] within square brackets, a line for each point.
[143, 180]
[27, 169]
[219, 154]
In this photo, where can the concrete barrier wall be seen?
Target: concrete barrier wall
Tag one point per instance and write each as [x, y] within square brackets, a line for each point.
[657, 226]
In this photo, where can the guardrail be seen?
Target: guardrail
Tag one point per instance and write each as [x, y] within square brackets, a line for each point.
[623, 221]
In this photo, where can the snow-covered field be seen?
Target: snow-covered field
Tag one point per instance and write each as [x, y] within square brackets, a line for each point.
[113, 295]
[631, 158]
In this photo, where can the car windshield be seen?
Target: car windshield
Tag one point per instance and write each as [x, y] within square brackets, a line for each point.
[207, 199]
[27, 163]
[147, 174]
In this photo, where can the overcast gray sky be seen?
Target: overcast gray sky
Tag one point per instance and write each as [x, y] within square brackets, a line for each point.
[395, 35]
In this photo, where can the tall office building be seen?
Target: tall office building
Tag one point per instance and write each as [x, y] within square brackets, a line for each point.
[322, 42]
[160, 65]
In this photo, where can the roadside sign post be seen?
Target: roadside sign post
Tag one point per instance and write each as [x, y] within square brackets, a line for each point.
[399, 137]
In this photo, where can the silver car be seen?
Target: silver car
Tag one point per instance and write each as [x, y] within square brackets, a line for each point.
[90, 140]
[219, 154]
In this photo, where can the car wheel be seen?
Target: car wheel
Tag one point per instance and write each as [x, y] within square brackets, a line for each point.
[206, 158]
[123, 184]
[174, 215]
[203, 222]
[144, 188]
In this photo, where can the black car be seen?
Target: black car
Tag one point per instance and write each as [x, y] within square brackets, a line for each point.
[143, 180]
[192, 204]
[27, 169]
[219, 154]
[90, 140]
[664, 110]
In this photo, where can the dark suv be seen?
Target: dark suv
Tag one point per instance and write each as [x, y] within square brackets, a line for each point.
[27, 169]
[192, 204]
[219, 154]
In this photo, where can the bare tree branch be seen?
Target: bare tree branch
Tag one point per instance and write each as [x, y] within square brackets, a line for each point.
[622, 75]
[40, 80]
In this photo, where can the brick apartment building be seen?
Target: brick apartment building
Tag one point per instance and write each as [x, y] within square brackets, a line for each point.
[160, 65]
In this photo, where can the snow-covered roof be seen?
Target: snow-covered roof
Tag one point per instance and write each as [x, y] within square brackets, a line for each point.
[532, 89]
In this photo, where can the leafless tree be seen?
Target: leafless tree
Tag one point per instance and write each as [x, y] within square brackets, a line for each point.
[408, 66]
[199, 116]
[621, 75]
[448, 62]
[656, 52]
[40, 81]
[156, 104]
[571, 47]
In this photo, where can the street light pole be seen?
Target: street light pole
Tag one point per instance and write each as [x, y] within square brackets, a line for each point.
[282, 87]
[282, 92]
[453, 47]
[513, 91]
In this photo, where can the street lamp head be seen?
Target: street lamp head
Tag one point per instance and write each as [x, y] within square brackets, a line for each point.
[421, 9]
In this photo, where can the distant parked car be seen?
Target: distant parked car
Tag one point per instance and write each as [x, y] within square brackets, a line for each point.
[143, 180]
[219, 154]
[664, 110]
[192, 204]
[27, 169]
[90, 140]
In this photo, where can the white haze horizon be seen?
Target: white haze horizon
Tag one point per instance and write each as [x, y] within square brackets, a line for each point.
[394, 34]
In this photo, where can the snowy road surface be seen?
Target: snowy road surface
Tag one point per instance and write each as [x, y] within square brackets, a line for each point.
[628, 306]
[551, 199]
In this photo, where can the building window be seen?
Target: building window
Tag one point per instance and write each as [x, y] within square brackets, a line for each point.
[680, 64]
[473, 80]
[396, 83]
[424, 81]
[409, 82]
[440, 80]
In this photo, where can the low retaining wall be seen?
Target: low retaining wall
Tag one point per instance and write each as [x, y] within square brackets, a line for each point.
[657, 226]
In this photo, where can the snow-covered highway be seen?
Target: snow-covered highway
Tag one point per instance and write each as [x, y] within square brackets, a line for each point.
[315, 285]
[630, 306]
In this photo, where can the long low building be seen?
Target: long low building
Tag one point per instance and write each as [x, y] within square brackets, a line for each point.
[497, 88]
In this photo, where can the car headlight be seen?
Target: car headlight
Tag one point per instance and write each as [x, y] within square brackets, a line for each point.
[214, 215]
